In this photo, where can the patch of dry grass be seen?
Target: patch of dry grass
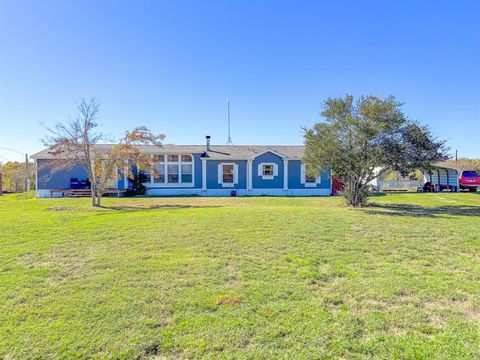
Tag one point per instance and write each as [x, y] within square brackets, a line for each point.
[169, 278]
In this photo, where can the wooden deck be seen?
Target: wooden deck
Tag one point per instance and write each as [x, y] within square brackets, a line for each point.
[81, 193]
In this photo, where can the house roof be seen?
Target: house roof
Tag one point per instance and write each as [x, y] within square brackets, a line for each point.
[252, 151]
[217, 152]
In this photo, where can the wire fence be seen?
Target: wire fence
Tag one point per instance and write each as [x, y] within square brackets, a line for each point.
[399, 184]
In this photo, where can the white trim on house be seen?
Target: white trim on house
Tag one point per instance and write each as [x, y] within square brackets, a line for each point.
[36, 175]
[261, 171]
[125, 178]
[246, 158]
[289, 192]
[204, 173]
[285, 174]
[303, 177]
[116, 177]
[249, 174]
[239, 192]
[220, 174]
[268, 151]
[166, 186]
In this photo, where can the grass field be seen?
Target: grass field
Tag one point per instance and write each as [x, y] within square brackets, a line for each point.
[247, 278]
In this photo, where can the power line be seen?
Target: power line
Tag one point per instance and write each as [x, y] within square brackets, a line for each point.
[18, 152]
[3, 157]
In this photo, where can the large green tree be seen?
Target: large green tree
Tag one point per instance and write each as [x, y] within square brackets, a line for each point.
[362, 139]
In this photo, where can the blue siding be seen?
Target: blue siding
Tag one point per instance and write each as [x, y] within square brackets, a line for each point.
[51, 176]
[197, 171]
[212, 174]
[277, 181]
[120, 179]
[294, 177]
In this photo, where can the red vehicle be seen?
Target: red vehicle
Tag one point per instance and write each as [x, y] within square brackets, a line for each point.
[469, 180]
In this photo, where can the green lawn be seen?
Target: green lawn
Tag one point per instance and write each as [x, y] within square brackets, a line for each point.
[246, 278]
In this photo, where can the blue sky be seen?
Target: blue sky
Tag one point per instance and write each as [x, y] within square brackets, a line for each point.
[171, 65]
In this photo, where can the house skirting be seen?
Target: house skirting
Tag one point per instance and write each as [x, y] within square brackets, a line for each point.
[46, 193]
[239, 192]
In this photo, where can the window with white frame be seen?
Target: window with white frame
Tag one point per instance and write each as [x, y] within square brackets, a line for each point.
[187, 173]
[307, 179]
[148, 174]
[159, 169]
[267, 170]
[173, 173]
[227, 174]
[227, 177]
[173, 169]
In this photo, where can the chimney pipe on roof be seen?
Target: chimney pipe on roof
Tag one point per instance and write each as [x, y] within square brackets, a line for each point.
[208, 142]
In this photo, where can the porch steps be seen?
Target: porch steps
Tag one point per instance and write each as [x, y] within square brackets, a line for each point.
[79, 193]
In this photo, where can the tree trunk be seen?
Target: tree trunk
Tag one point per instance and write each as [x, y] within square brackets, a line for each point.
[94, 194]
[355, 193]
[99, 198]
[355, 197]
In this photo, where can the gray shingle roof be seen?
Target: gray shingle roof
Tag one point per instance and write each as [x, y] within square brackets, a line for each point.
[234, 152]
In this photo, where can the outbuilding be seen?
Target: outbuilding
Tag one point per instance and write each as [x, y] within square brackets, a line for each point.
[438, 178]
[442, 178]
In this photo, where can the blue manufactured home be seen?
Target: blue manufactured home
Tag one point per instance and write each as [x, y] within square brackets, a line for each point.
[204, 170]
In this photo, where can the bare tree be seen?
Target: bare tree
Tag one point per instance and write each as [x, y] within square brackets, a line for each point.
[80, 141]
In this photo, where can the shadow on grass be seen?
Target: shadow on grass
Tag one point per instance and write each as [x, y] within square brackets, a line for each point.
[156, 207]
[420, 211]
[421, 193]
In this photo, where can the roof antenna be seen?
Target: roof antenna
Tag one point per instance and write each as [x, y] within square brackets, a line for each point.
[229, 140]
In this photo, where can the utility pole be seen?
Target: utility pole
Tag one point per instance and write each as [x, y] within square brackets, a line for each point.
[27, 173]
